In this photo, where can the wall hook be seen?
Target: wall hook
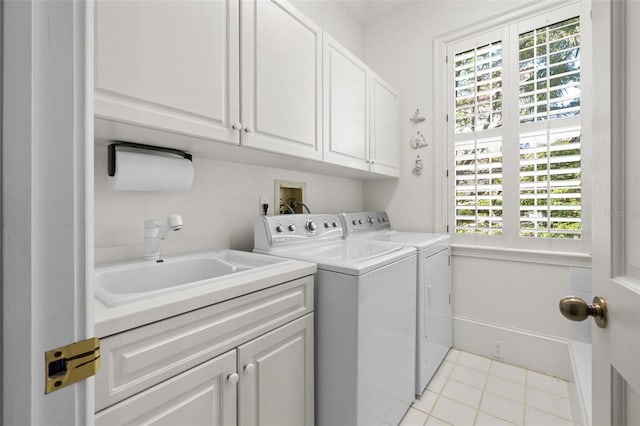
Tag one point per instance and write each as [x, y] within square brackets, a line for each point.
[418, 141]
[417, 170]
[417, 116]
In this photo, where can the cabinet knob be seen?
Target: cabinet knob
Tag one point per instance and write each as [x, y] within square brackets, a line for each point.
[248, 129]
[250, 368]
[233, 378]
[236, 126]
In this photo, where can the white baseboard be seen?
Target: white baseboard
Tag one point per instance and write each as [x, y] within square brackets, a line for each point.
[538, 352]
[580, 387]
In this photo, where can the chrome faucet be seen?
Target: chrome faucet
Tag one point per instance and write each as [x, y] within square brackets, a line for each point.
[154, 233]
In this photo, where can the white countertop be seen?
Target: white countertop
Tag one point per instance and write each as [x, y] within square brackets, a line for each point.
[112, 320]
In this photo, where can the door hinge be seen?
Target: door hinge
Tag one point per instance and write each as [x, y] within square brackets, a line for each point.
[449, 298]
[446, 173]
[70, 364]
[449, 260]
[446, 117]
[447, 228]
[446, 59]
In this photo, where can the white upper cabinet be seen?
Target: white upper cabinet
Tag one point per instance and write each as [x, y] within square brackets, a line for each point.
[169, 65]
[281, 79]
[254, 73]
[361, 122]
[346, 101]
[385, 128]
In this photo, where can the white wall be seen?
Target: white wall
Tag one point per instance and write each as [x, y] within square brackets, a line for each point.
[218, 212]
[515, 302]
[398, 46]
[220, 209]
[333, 18]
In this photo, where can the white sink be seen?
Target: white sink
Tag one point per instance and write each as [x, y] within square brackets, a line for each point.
[120, 283]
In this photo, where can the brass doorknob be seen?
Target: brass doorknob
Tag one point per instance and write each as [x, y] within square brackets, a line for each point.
[576, 309]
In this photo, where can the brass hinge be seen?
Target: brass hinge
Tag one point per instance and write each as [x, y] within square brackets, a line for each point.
[70, 364]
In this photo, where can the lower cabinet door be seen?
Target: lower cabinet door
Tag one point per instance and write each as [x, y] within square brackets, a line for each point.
[276, 377]
[203, 395]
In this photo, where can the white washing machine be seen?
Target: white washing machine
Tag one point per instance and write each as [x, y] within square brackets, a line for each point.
[364, 317]
[434, 328]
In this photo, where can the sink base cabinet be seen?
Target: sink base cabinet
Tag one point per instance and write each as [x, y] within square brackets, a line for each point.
[245, 361]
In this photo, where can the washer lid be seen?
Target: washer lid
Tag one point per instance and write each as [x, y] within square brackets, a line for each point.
[353, 257]
[420, 240]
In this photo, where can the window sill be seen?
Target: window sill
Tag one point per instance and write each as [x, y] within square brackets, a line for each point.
[545, 257]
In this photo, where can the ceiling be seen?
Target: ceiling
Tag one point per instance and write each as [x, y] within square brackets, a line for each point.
[366, 10]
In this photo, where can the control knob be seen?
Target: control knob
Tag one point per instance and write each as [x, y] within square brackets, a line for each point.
[292, 227]
[360, 221]
[326, 225]
[335, 225]
[310, 226]
[370, 220]
[279, 229]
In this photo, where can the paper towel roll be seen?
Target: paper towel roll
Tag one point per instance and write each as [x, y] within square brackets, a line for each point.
[143, 172]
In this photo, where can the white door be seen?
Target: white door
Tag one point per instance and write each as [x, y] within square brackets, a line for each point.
[46, 175]
[616, 242]
[281, 78]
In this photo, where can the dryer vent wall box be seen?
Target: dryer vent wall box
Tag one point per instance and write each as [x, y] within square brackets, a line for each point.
[290, 197]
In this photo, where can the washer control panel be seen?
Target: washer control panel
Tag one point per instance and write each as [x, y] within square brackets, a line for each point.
[361, 222]
[272, 231]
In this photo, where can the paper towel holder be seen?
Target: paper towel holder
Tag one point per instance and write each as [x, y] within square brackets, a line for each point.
[111, 153]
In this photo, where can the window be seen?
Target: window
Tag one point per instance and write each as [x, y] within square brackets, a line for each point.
[516, 140]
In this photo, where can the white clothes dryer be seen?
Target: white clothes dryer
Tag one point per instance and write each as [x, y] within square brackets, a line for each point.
[364, 317]
[434, 325]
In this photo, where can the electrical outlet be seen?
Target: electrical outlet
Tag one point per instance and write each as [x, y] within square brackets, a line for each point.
[263, 206]
[498, 349]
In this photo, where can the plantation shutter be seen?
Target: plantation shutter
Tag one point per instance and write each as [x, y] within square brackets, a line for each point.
[478, 146]
[549, 129]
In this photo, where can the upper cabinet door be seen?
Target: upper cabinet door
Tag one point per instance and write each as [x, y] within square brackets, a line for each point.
[385, 128]
[281, 79]
[170, 65]
[346, 96]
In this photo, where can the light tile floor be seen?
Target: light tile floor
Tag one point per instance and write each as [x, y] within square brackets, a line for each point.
[472, 390]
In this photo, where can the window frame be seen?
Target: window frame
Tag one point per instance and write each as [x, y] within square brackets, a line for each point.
[509, 25]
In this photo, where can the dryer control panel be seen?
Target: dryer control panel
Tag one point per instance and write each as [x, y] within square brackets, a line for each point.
[283, 230]
[361, 222]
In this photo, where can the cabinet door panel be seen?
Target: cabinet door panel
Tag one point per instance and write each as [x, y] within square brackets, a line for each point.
[200, 396]
[281, 68]
[345, 83]
[171, 65]
[279, 391]
[385, 129]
